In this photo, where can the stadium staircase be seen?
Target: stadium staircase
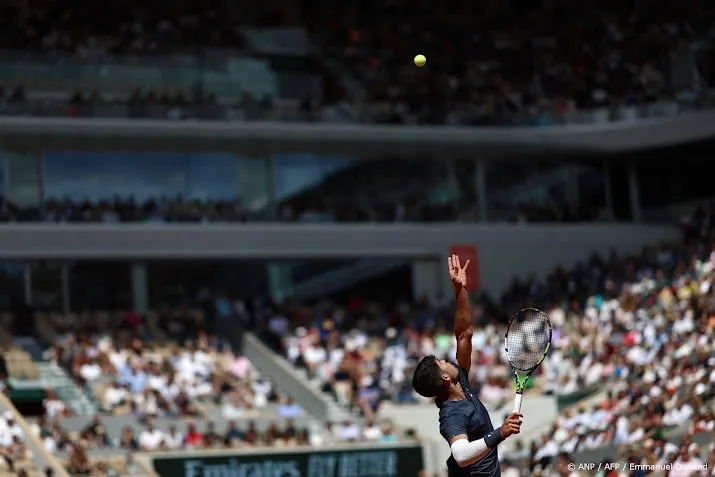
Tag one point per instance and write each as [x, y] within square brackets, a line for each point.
[38, 458]
[296, 384]
[51, 376]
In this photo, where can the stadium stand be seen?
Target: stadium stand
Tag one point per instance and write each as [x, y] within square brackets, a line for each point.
[304, 209]
[515, 72]
[160, 383]
[323, 203]
[642, 323]
[517, 69]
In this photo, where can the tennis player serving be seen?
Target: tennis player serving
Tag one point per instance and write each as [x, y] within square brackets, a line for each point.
[463, 419]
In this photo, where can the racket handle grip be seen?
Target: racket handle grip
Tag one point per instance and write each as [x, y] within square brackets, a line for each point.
[517, 403]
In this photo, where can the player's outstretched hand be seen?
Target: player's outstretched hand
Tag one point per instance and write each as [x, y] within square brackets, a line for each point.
[457, 272]
[512, 425]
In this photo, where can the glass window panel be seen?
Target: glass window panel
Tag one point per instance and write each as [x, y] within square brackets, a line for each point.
[297, 172]
[539, 190]
[100, 285]
[46, 284]
[12, 285]
[254, 177]
[104, 175]
[212, 177]
[324, 188]
[179, 282]
[2, 175]
[24, 184]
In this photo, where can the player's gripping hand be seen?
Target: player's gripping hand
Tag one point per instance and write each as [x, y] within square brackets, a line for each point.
[512, 425]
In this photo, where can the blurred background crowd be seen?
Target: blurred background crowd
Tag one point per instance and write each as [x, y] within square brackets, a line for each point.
[346, 61]
[643, 325]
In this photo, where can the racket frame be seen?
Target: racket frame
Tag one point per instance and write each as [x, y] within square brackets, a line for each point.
[521, 382]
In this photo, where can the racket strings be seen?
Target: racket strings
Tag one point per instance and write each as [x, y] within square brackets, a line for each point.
[527, 339]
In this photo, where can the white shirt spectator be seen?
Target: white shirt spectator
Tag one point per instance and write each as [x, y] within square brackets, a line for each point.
[156, 381]
[118, 358]
[315, 355]
[686, 468]
[113, 396]
[261, 391]
[53, 408]
[349, 432]
[151, 439]
[173, 440]
[372, 433]
[549, 449]
[9, 429]
[90, 371]
[678, 415]
[49, 444]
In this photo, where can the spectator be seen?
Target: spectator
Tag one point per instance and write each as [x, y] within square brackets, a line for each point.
[14, 450]
[127, 440]
[686, 464]
[371, 432]
[193, 438]
[53, 406]
[289, 409]
[349, 432]
[115, 396]
[211, 438]
[173, 439]
[9, 430]
[78, 461]
[232, 434]
[151, 438]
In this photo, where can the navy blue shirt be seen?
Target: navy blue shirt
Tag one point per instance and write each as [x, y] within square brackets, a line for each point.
[468, 416]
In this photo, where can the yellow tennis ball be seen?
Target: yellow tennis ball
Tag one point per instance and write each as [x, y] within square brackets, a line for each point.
[420, 60]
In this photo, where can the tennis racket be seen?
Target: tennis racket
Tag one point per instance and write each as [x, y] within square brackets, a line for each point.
[527, 342]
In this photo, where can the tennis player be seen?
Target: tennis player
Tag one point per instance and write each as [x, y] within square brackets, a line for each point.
[463, 419]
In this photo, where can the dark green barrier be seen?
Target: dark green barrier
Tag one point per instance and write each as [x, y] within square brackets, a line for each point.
[365, 461]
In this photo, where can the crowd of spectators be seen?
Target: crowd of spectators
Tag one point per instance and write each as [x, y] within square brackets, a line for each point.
[494, 63]
[12, 443]
[134, 371]
[655, 460]
[94, 436]
[656, 331]
[508, 62]
[120, 28]
[163, 365]
[143, 104]
[646, 320]
[164, 210]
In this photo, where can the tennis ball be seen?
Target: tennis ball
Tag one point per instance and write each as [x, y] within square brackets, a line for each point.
[420, 60]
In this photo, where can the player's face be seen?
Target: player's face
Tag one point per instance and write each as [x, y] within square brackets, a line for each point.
[448, 369]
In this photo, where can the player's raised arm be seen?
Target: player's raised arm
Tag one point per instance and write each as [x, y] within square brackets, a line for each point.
[463, 314]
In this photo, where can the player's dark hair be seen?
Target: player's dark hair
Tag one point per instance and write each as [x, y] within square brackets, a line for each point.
[427, 380]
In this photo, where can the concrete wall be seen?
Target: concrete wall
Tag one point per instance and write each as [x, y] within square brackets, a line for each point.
[504, 250]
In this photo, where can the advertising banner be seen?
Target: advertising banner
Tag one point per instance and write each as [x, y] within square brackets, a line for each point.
[378, 461]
